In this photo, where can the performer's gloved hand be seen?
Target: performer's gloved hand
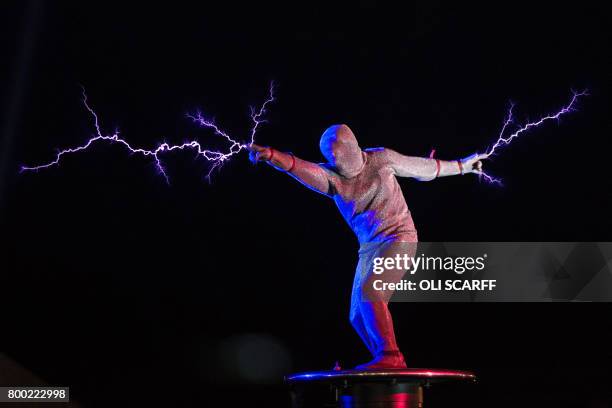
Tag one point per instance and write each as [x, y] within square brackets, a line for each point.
[473, 163]
[259, 153]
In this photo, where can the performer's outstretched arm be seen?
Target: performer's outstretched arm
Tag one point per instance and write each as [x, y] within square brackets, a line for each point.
[309, 174]
[425, 169]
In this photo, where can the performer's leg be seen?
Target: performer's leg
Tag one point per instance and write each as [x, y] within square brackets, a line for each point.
[355, 313]
[379, 325]
[377, 319]
[375, 313]
[359, 326]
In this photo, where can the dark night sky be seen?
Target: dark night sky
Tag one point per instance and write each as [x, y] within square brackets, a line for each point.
[111, 278]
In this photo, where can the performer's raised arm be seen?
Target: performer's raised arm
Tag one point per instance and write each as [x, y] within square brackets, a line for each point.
[309, 174]
[425, 169]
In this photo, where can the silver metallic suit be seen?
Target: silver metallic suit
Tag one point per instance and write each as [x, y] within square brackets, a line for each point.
[363, 185]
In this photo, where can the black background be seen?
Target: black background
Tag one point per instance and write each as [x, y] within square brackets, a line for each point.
[112, 279]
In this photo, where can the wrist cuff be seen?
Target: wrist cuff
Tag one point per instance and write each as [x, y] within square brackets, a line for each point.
[292, 163]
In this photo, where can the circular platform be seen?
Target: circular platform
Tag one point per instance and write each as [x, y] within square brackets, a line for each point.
[391, 388]
[407, 375]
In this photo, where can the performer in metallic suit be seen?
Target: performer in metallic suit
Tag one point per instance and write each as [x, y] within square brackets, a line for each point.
[363, 184]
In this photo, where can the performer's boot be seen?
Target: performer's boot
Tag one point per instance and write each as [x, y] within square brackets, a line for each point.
[388, 359]
[379, 325]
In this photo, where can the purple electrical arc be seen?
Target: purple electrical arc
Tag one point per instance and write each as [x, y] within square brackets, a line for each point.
[503, 140]
[216, 157]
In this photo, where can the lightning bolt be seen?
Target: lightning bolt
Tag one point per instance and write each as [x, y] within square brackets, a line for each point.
[217, 158]
[503, 140]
